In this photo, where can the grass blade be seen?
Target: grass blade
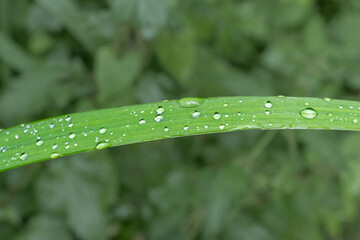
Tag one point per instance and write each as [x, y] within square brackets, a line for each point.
[99, 129]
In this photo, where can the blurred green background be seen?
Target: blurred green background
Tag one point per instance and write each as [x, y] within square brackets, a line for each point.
[63, 56]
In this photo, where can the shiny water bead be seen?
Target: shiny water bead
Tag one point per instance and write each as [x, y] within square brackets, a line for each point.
[308, 113]
[268, 104]
[195, 114]
[142, 121]
[327, 99]
[102, 130]
[72, 135]
[39, 142]
[160, 110]
[102, 145]
[217, 116]
[159, 118]
[23, 156]
[55, 155]
[190, 102]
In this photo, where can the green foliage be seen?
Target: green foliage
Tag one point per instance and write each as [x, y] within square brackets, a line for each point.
[58, 57]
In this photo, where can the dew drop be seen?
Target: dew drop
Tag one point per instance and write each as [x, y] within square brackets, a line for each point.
[186, 128]
[226, 104]
[217, 116]
[160, 110]
[102, 145]
[71, 124]
[51, 125]
[24, 156]
[102, 130]
[55, 146]
[341, 107]
[142, 121]
[166, 129]
[72, 135]
[39, 142]
[195, 114]
[267, 112]
[68, 118]
[221, 127]
[327, 99]
[268, 104]
[355, 121]
[308, 113]
[55, 155]
[190, 102]
[159, 118]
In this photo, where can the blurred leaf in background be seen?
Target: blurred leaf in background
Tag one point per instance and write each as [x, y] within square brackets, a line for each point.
[63, 56]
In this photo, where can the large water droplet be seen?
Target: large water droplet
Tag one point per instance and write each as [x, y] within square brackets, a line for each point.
[195, 114]
[55, 155]
[102, 145]
[23, 156]
[268, 104]
[308, 113]
[72, 135]
[160, 110]
[159, 118]
[102, 130]
[327, 99]
[217, 116]
[190, 102]
[39, 142]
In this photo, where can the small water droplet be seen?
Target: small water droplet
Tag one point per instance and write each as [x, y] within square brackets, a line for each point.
[23, 156]
[217, 116]
[195, 114]
[351, 107]
[355, 121]
[308, 113]
[239, 113]
[267, 112]
[166, 129]
[221, 127]
[55, 146]
[55, 155]
[159, 118]
[39, 142]
[226, 104]
[142, 121]
[327, 99]
[51, 125]
[102, 145]
[186, 127]
[190, 102]
[341, 107]
[68, 118]
[72, 135]
[102, 130]
[160, 110]
[268, 104]
[71, 124]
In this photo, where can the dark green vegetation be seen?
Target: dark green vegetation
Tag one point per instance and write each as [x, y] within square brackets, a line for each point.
[61, 56]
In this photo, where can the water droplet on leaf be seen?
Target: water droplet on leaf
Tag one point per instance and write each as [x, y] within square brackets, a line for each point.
[308, 113]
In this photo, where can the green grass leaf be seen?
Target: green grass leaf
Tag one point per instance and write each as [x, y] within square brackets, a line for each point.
[100, 129]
